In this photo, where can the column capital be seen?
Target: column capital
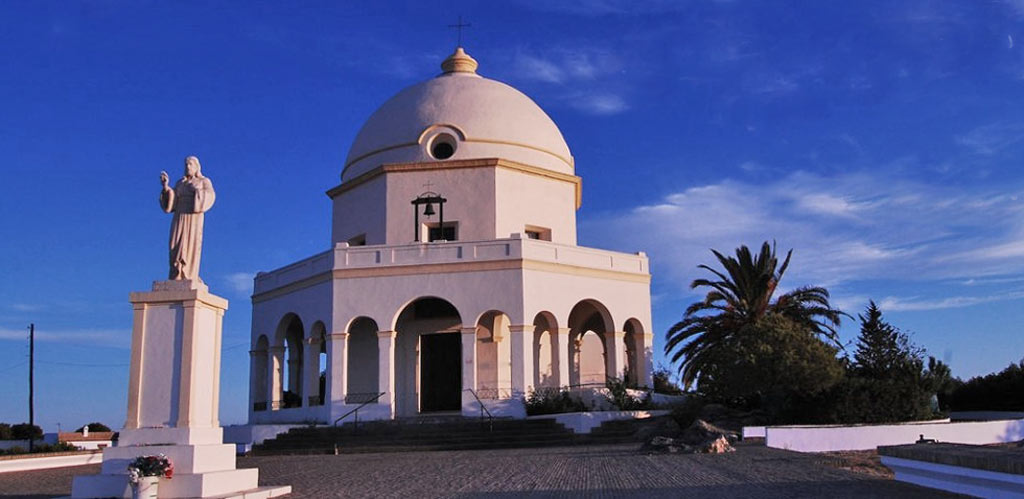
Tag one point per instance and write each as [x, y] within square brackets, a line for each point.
[276, 349]
[387, 334]
[336, 336]
[468, 330]
[562, 330]
[617, 334]
[521, 328]
[254, 353]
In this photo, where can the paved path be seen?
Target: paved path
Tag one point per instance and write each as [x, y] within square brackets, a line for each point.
[596, 471]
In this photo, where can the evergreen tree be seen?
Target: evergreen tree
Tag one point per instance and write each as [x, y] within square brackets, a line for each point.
[883, 351]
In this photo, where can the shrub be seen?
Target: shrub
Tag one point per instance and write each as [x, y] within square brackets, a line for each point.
[24, 431]
[5, 432]
[662, 379]
[552, 401]
[619, 396]
[1002, 391]
[687, 412]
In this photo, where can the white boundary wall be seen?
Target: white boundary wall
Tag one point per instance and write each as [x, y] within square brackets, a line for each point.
[582, 422]
[837, 438]
[46, 462]
[958, 479]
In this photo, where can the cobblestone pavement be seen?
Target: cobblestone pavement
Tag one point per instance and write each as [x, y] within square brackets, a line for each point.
[595, 471]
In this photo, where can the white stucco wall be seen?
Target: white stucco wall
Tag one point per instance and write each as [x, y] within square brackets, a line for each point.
[361, 210]
[523, 199]
[470, 195]
[866, 437]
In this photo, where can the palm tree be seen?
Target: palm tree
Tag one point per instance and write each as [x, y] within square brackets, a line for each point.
[741, 296]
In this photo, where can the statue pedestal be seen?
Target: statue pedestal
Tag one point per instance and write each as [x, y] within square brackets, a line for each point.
[173, 397]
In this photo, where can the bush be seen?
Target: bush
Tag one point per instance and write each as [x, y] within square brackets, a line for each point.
[619, 396]
[687, 412]
[1002, 391]
[24, 431]
[5, 432]
[94, 427]
[662, 379]
[552, 401]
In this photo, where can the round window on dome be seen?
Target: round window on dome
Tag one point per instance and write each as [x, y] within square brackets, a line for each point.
[442, 146]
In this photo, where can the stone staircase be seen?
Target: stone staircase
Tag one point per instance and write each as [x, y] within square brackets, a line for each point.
[436, 434]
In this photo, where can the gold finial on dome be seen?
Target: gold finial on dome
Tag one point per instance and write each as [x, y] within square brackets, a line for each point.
[459, 62]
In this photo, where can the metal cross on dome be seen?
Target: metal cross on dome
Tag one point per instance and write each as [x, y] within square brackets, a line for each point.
[459, 26]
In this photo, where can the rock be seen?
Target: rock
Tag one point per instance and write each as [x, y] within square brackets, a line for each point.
[718, 445]
[659, 441]
[701, 431]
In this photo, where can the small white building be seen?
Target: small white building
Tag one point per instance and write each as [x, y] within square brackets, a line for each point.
[453, 272]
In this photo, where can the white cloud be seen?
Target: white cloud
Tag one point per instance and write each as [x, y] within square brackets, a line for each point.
[992, 138]
[844, 229]
[535, 68]
[240, 282]
[600, 104]
[913, 304]
[26, 307]
[99, 337]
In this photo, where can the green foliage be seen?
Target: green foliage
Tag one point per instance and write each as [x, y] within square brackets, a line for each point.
[5, 432]
[1002, 391]
[619, 396]
[886, 382]
[552, 401]
[883, 350]
[767, 362]
[663, 383]
[95, 427]
[739, 299]
[24, 431]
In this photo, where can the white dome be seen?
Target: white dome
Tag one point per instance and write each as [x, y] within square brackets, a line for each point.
[475, 116]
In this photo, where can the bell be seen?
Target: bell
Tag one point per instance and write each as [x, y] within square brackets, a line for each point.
[429, 210]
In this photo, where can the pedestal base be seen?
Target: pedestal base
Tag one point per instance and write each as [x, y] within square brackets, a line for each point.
[200, 471]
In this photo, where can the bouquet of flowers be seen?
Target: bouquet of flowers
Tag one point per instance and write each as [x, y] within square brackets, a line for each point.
[158, 466]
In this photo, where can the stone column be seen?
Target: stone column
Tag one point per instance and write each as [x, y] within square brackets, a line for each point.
[386, 366]
[521, 342]
[275, 375]
[561, 355]
[615, 353]
[468, 361]
[337, 369]
[311, 378]
[503, 363]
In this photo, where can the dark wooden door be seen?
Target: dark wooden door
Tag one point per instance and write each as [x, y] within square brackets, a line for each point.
[440, 372]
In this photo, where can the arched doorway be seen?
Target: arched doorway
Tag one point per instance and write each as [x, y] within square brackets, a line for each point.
[363, 361]
[634, 351]
[428, 358]
[289, 372]
[545, 352]
[589, 325]
[493, 356]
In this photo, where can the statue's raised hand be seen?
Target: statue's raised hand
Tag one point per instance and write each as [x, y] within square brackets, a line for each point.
[164, 180]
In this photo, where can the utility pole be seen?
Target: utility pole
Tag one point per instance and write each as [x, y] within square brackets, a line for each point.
[31, 385]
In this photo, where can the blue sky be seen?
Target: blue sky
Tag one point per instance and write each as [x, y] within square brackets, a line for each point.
[883, 141]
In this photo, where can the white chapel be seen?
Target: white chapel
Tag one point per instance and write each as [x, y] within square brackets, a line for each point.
[453, 277]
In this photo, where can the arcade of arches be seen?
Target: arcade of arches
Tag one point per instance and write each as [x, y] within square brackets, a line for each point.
[433, 358]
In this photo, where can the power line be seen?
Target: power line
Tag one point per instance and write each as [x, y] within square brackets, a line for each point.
[79, 364]
[15, 366]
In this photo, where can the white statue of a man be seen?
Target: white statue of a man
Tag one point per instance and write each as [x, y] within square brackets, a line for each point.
[191, 196]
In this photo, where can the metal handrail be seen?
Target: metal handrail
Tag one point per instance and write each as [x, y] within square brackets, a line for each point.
[483, 409]
[356, 410]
